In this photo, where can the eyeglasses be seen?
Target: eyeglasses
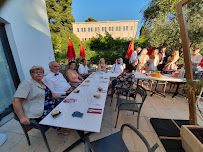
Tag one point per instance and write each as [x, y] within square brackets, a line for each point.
[38, 72]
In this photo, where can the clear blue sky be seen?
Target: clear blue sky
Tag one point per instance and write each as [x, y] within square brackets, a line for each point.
[109, 10]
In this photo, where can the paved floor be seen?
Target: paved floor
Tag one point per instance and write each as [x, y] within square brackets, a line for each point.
[154, 107]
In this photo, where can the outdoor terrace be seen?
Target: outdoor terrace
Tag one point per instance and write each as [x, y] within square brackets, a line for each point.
[154, 107]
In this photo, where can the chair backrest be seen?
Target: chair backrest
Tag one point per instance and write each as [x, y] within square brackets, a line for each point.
[150, 149]
[141, 91]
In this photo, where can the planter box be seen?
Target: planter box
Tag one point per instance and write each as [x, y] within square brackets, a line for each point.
[190, 142]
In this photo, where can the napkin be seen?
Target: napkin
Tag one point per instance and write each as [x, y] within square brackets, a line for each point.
[94, 110]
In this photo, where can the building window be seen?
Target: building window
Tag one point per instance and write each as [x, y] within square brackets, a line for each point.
[91, 29]
[126, 28]
[116, 28]
[83, 39]
[123, 28]
[88, 29]
[112, 28]
[102, 28]
[78, 29]
[98, 29]
[119, 28]
[105, 29]
[81, 29]
[95, 29]
[109, 28]
[131, 28]
[84, 29]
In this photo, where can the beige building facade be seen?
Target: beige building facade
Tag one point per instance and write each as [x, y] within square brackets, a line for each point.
[122, 29]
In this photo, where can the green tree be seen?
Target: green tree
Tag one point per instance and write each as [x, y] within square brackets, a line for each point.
[161, 27]
[90, 19]
[60, 19]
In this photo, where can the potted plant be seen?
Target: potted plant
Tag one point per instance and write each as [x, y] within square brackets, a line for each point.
[192, 135]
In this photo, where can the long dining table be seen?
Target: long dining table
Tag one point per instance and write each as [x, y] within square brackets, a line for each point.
[164, 77]
[83, 102]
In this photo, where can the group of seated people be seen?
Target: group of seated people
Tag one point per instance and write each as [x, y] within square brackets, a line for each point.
[145, 61]
[35, 98]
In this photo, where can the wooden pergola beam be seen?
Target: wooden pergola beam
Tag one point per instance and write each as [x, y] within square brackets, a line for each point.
[187, 58]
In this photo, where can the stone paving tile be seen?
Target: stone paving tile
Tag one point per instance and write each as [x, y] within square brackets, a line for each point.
[154, 107]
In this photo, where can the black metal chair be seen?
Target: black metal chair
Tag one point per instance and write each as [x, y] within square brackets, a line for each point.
[36, 125]
[115, 143]
[127, 90]
[132, 105]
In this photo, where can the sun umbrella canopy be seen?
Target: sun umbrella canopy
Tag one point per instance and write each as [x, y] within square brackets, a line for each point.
[130, 49]
[151, 51]
[71, 52]
[82, 51]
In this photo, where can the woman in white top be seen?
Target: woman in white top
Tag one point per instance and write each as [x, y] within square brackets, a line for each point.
[154, 60]
[143, 58]
[102, 65]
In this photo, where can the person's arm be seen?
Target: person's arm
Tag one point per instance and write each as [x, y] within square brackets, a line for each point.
[105, 68]
[56, 96]
[113, 68]
[157, 60]
[17, 105]
[174, 59]
[50, 85]
[98, 69]
[80, 78]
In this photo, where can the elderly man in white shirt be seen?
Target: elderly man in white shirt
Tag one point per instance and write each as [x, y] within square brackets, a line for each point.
[134, 57]
[83, 70]
[119, 66]
[196, 57]
[55, 81]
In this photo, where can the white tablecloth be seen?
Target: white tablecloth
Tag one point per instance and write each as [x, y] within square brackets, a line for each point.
[165, 77]
[89, 122]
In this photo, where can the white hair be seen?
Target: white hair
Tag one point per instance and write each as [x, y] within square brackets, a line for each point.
[120, 59]
[50, 63]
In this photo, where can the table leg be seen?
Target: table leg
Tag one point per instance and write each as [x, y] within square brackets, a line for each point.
[82, 139]
[176, 92]
[155, 91]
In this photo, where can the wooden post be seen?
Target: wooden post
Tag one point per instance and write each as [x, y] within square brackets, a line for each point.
[187, 59]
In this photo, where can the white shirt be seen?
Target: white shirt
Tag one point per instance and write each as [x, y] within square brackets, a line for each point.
[160, 55]
[197, 58]
[133, 57]
[83, 69]
[56, 84]
[118, 68]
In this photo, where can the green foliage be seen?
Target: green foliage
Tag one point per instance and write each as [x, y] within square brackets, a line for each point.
[60, 19]
[108, 48]
[90, 19]
[161, 27]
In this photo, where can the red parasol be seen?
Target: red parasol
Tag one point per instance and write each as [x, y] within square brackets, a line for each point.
[71, 52]
[151, 51]
[130, 49]
[82, 51]
[201, 63]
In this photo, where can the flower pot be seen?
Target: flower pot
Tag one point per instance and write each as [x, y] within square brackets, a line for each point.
[190, 142]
